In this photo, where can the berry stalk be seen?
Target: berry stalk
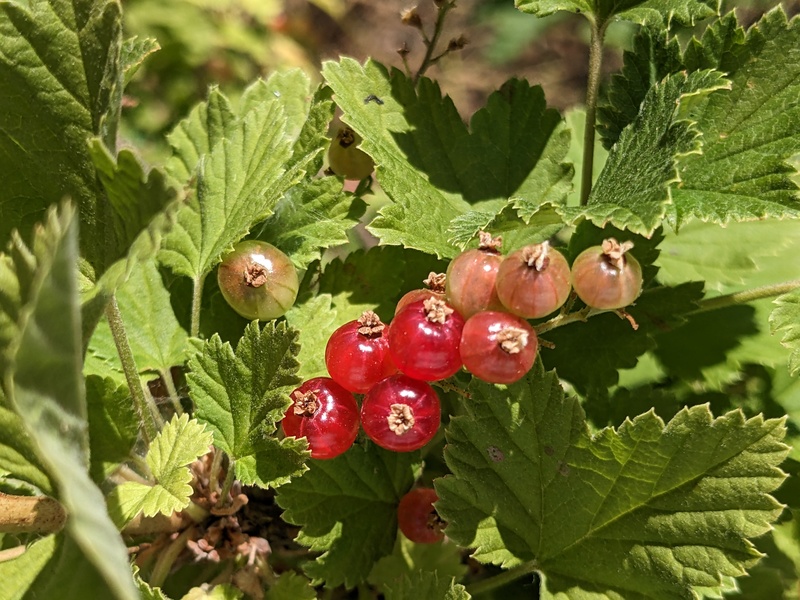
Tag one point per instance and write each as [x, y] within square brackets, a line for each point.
[743, 297]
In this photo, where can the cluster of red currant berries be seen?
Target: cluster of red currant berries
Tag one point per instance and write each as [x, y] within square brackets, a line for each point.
[474, 317]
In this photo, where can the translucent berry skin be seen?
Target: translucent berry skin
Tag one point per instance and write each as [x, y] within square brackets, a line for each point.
[416, 296]
[483, 340]
[357, 361]
[333, 426]
[345, 158]
[471, 281]
[601, 284]
[531, 293]
[417, 518]
[423, 349]
[257, 280]
[381, 403]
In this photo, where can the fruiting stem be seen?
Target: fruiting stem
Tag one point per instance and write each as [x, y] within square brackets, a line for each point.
[197, 297]
[216, 463]
[592, 90]
[167, 558]
[227, 485]
[427, 61]
[565, 319]
[501, 579]
[169, 383]
[146, 410]
[746, 296]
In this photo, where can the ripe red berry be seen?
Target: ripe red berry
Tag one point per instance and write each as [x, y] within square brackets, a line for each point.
[401, 413]
[471, 278]
[357, 354]
[606, 276]
[533, 281]
[325, 414]
[435, 287]
[498, 347]
[345, 158]
[424, 338]
[257, 280]
[418, 519]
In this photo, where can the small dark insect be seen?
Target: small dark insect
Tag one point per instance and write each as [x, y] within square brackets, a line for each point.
[371, 98]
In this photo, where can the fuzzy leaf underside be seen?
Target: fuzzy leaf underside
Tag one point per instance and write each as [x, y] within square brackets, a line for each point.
[652, 12]
[359, 491]
[644, 511]
[44, 384]
[785, 319]
[242, 395]
[435, 168]
[633, 190]
[134, 52]
[176, 446]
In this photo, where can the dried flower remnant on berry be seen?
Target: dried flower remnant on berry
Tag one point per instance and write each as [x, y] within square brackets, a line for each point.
[370, 324]
[305, 405]
[488, 243]
[400, 419]
[436, 282]
[512, 339]
[255, 275]
[615, 252]
[346, 137]
[436, 311]
[536, 256]
[457, 43]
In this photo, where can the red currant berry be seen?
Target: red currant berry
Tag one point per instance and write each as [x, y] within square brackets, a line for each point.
[345, 158]
[401, 413]
[606, 277]
[471, 278]
[533, 281]
[435, 289]
[357, 354]
[325, 414]
[258, 280]
[418, 519]
[498, 347]
[424, 338]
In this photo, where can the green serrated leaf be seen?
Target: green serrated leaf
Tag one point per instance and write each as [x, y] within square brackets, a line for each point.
[240, 176]
[408, 558]
[633, 190]
[61, 80]
[426, 585]
[750, 133]
[17, 452]
[113, 424]
[291, 586]
[242, 395]
[652, 58]
[157, 340]
[360, 491]
[651, 12]
[433, 167]
[44, 385]
[785, 319]
[217, 592]
[134, 52]
[313, 215]
[178, 444]
[576, 121]
[645, 511]
[54, 567]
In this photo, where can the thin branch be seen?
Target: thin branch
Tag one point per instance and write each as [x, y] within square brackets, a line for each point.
[592, 90]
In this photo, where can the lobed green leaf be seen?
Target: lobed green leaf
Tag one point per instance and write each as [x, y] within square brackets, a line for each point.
[113, 425]
[359, 491]
[651, 12]
[426, 585]
[785, 319]
[242, 395]
[644, 511]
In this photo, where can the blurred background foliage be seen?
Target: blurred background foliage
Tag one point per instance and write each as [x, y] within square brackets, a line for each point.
[230, 43]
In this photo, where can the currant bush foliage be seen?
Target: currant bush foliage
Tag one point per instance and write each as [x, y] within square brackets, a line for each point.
[627, 486]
